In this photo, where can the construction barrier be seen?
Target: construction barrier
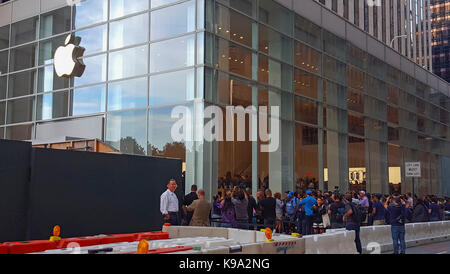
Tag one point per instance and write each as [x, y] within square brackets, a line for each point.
[342, 242]
[3, 249]
[29, 246]
[80, 241]
[118, 238]
[378, 239]
[151, 236]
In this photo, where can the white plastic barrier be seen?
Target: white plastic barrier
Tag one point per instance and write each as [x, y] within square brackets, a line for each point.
[375, 239]
[242, 236]
[193, 231]
[341, 242]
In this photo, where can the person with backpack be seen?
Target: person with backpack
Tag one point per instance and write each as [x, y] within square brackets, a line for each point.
[397, 220]
[352, 219]
[290, 205]
[336, 212]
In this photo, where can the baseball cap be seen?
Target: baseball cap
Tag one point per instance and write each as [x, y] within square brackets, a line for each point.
[308, 191]
[290, 194]
[362, 192]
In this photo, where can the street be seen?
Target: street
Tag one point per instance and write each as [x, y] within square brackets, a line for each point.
[437, 248]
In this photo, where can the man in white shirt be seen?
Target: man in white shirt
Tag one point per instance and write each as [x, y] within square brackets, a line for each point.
[169, 204]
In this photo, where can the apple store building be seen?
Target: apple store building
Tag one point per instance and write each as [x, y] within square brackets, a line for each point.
[352, 113]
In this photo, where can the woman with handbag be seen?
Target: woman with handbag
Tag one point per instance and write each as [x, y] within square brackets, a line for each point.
[318, 211]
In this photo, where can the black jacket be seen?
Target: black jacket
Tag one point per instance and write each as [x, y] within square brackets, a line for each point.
[419, 214]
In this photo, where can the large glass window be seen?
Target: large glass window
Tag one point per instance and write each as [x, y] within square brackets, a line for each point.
[334, 70]
[83, 14]
[276, 16]
[357, 163]
[4, 38]
[173, 20]
[47, 49]
[94, 39]
[335, 95]
[232, 91]
[22, 83]
[88, 100]
[246, 6]
[20, 110]
[233, 26]
[306, 156]
[128, 31]
[355, 78]
[355, 101]
[23, 57]
[126, 131]
[233, 58]
[52, 105]
[20, 133]
[121, 8]
[172, 87]
[275, 44]
[2, 115]
[160, 141]
[307, 32]
[356, 124]
[55, 22]
[3, 84]
[335, 46]
[274, 73]
[171, 54]
[157, 3]
[95, 71]
[128, 63]
[307, 58]
[48, 80]
[24, 31]
[356, 56]
[3, 62]
[306, 111]
[306, 84]
[127, 94]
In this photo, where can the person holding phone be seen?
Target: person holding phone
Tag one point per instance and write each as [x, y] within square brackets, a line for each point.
[396, 210]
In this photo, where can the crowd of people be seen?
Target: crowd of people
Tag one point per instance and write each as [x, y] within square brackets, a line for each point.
[311, 211]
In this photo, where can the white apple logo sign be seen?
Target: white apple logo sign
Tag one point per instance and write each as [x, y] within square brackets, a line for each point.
[66, 60]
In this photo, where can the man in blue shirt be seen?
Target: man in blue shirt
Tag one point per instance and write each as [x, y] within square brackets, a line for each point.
[308, 204]
[378, 211]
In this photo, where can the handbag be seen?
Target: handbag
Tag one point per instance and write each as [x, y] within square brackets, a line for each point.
[326, 220]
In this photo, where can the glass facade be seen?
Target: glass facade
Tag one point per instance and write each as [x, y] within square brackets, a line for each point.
[347, 119]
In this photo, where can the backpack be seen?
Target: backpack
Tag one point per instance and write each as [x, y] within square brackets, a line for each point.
[340, 214]
[359, 213]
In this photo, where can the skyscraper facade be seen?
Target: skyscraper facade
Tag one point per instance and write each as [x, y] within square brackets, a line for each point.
[440, 27]
[402, 24]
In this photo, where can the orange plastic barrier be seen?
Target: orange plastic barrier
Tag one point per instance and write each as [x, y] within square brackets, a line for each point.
[3, 249]
[151, 236]
[118, 238]
[30, 246]
[82, 241]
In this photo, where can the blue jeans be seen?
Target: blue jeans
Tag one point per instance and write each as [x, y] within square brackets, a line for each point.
[357, 239]
[214, 222]
[398, 234]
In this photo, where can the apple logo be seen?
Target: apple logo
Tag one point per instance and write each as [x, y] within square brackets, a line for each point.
[66, 60]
